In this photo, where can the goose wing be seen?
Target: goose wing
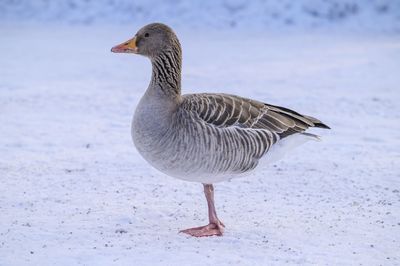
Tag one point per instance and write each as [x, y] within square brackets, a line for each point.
[224, 110]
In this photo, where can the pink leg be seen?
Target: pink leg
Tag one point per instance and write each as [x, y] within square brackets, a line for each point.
[215, 226]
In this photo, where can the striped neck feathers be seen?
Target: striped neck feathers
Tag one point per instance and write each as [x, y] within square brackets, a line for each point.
[167, 67]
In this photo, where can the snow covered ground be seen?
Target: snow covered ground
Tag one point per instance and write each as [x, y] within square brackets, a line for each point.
[75, 191]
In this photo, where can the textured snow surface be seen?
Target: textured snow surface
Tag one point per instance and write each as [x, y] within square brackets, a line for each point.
[73, 189]
[376, 15]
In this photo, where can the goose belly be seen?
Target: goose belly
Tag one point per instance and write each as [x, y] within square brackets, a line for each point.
[185, 153]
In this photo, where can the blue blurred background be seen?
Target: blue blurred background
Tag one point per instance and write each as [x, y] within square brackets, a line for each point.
[376, 15]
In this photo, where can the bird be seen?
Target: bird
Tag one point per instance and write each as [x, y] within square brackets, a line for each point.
[204, 137]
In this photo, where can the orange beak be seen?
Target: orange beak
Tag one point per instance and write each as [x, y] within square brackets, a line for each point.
[126, 47]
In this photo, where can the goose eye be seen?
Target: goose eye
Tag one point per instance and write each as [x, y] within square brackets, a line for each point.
[146, 35]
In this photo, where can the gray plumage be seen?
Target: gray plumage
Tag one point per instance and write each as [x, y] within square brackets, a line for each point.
[206, 137]
[202, 137]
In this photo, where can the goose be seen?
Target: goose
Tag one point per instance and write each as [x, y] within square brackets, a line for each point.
[206, 137]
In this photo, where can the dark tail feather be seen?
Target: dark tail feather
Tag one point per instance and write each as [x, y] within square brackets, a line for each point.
[317, 123]
[321, 125]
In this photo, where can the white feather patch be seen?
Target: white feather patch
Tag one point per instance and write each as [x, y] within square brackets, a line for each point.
[284, 146]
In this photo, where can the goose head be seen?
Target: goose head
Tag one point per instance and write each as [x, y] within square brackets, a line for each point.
[150, 41]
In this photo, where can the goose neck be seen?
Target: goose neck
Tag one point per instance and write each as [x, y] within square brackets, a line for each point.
[166, 73]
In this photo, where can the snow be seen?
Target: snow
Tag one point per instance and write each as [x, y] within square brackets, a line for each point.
[75, 191]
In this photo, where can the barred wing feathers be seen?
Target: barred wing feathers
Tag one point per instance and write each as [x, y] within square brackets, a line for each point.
[224, 110]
